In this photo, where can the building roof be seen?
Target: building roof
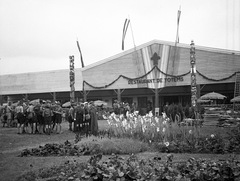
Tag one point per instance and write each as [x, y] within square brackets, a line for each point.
[213, 63]
[203, 48]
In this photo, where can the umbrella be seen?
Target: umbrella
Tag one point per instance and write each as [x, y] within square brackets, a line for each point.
[235, 99]
[67, 104]
[99, 103]
[212, 95]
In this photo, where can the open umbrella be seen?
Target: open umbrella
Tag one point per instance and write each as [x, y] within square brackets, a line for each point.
[67, 104]
[235, 99]
[212, 95]
[99, 103]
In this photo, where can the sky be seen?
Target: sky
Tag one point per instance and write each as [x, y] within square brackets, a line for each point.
[40, 35]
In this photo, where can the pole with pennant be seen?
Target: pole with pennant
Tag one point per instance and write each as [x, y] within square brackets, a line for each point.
[80, 52]
[125, 28]
[178, 21]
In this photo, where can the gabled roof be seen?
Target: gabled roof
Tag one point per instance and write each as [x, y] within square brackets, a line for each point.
[210, 49]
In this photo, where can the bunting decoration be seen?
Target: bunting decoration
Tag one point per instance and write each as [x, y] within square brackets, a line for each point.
[80, 54]
[216, 80]
[132, 79]
[169, 75]
[125, 27]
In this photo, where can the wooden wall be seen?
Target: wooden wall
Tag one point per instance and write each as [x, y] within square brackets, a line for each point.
[39, 82]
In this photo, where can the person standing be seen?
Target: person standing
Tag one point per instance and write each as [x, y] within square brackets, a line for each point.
[116, 107]
[93, 120]
[71, 117]
[86, 123]
[9, 114]
[31, 118]
[38, 109]
[20, 117]
[47, 115]
[4, 116]
[58, 118]
[79, 118]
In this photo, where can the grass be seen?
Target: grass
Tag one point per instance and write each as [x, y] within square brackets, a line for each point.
[108, 146]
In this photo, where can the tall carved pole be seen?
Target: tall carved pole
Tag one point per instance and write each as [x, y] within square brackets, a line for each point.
[72, 79]
[155, 58]
[193, 76]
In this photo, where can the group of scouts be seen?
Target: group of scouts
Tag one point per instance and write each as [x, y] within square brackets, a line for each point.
[46, 117]
[82, 118]
[39, 118]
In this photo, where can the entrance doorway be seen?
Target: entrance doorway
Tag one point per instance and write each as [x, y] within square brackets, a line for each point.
[142, 105]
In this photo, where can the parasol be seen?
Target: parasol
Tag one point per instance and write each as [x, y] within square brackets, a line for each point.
[235, 99]
[99, 103]
[67, 104]
[212, 95]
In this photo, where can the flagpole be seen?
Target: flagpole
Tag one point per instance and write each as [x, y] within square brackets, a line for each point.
[135, 49]
[178, 21]
[132, 33]
[81, 59]
[80, 52]
[177, 35]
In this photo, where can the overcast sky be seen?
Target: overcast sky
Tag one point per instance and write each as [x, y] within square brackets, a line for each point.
[39, 35]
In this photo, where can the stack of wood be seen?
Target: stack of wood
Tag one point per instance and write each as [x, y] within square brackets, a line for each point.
[228, 121]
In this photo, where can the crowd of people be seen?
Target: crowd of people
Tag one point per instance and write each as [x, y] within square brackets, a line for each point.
[46, 117]
[123, 107]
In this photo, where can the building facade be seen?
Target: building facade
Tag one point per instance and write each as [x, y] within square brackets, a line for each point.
[134, 76]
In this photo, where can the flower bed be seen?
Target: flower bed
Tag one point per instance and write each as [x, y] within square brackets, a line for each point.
[175, 137]
[133, 168]
[136, 134]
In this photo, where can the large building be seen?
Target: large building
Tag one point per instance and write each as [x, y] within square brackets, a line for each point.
[131, 77]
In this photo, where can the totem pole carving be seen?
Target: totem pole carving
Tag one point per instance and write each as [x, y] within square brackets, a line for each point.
[72, 79]
[193, 76]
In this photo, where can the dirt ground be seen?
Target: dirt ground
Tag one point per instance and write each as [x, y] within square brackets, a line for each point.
[11, 145]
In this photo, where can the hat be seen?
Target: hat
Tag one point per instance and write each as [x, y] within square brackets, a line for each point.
[57, 102]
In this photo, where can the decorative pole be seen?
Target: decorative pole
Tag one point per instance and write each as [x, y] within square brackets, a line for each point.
[193, 76]
[155, 58]
[72, 79]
